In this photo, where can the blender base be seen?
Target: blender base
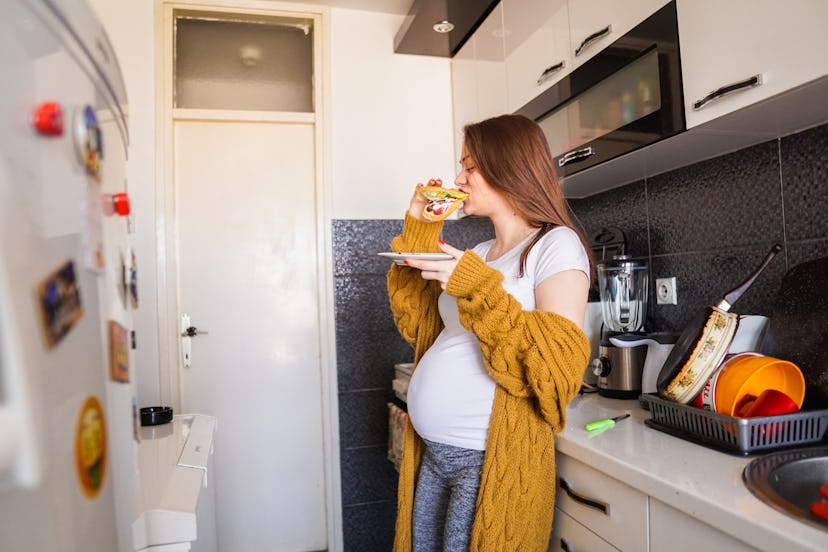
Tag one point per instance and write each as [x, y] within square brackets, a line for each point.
[616, 394]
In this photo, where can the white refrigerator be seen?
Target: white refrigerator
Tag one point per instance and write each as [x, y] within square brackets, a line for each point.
[68, 284]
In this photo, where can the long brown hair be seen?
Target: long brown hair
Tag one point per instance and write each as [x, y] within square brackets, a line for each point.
[512, 154]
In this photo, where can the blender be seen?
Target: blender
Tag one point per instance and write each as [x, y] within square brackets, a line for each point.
[623, 288]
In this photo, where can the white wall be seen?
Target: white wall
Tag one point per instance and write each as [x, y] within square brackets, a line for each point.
[391, 127]
[391, 118]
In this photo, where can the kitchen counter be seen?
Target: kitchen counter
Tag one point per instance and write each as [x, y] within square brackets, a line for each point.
[175, 505]
[699, 481]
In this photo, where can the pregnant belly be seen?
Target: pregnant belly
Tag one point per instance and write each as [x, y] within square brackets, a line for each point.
[450, 397]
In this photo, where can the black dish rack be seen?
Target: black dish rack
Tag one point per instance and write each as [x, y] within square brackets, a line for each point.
[740, 436]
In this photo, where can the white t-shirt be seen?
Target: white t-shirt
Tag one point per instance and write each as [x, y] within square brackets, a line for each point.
[450, 395]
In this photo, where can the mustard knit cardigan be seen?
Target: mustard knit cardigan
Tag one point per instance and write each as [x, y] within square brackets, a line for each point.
[537, 360]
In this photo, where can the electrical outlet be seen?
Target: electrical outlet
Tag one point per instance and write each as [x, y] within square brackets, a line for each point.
[666, 292]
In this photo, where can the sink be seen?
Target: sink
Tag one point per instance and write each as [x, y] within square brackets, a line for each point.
[789, 480]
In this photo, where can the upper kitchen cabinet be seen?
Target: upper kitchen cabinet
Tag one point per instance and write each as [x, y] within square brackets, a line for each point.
[464, 92]
[737, 53]
[625, 97]
[546, 39]
[536, 40]
[595, 24]
[491, 66]
[478, 75]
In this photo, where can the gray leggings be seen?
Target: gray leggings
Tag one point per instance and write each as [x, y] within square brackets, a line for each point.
[445, 498]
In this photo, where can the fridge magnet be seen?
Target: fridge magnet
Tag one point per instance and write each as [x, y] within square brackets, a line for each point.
[135, 417]
[90, 447]
[88, 141]
[123, 280]
[118, 352]
[60, 304]
[133, 281]
[92, 229]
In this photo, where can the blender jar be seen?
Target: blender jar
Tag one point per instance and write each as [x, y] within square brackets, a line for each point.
[623, 286]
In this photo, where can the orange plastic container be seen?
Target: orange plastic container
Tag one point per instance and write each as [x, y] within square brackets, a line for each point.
[750, 374]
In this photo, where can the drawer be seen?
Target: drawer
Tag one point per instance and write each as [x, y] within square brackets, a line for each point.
[615, 511]
[674, 531]
[570, 536]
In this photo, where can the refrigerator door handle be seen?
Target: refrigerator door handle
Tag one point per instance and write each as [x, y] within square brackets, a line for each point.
[20, 454]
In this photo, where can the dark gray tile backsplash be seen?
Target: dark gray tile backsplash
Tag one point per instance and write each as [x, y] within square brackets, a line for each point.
[709, 225]
[731, 201]
[804, 178]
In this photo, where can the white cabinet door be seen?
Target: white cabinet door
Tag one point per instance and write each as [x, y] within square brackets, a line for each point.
[536, 38]
[570, 536]
[595, 24]
[478, 77]
[463, 92]
[727, 43]
[491, 66]
[674, 531]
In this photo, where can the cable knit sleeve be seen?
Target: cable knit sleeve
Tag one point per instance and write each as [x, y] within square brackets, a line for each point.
[528, 353]
[413, 299]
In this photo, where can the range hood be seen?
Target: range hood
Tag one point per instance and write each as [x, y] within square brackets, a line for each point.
[417, 35]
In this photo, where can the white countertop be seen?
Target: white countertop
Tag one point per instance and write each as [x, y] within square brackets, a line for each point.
[172, 459]
[697, 480]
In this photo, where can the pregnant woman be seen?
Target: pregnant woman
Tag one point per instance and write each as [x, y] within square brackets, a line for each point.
[498, 349]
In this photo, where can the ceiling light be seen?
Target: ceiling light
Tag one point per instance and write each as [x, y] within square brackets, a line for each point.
[250, 55]
[443, 26]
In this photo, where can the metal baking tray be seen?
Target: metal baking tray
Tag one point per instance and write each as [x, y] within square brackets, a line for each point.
[740, 436]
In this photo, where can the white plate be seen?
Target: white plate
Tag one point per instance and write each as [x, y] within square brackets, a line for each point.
[398, 257]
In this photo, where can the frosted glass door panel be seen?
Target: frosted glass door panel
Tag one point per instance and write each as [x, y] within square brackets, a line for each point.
[628, 95]
[232, 65]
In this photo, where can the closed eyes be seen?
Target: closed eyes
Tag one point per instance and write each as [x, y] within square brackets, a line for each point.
[469, 168]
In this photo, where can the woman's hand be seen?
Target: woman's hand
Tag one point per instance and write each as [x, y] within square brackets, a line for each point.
[418, 203]
[438, 270]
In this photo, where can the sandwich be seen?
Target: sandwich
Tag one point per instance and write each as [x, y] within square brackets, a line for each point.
[441, 202]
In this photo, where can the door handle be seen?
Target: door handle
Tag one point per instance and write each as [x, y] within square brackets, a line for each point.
[192, 331]
[188, 331]
[576, 155]
[599, 505]
[549, 71]
[755, 80]
[594, 37]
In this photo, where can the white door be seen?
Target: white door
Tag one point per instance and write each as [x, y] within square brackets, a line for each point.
[245, 207]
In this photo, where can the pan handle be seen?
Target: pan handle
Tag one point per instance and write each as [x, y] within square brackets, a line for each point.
[734, 295]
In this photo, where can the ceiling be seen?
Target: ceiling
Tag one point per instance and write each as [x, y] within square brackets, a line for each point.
[386, 6]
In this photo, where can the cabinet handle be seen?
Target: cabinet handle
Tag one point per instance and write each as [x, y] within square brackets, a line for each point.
[566, 547]
[755, 80]
[575, 156]
[597, 35]
[549, 71]
[603, 507]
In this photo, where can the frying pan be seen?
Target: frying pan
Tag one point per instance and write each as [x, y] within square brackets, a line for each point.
[799, 327]
[702, 345]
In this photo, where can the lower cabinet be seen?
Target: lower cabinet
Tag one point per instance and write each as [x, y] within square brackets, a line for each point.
[570, 536]
[675, 531]
[614, 511]
[597, 512]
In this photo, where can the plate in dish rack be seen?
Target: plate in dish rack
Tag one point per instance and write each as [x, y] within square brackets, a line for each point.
[398, 257]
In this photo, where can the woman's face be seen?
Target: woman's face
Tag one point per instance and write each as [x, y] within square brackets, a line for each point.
[483, 200]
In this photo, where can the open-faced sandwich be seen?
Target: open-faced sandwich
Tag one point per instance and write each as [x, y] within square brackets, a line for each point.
[441, 201]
